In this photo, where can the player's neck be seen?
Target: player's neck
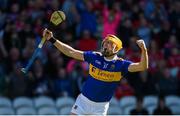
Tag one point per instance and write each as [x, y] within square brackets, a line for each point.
[110, 57]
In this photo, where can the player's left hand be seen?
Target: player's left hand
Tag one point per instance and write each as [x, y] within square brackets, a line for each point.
[47, 34]
[141, 44]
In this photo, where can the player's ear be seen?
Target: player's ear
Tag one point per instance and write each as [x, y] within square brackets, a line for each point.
[115, 49]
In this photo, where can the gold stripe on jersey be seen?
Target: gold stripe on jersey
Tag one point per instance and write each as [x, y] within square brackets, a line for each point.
[103, 75]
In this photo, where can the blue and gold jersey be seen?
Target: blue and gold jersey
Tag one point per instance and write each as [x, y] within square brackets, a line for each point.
[103, 77]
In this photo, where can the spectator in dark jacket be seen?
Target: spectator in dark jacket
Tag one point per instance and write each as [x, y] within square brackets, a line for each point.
[162, 109]
[139, 110]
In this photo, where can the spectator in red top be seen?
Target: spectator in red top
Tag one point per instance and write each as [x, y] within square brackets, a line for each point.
[169, 45]
[87, 42]
[98, 5]
[174, 59]
[174, 62]
[154, 55]
[124, 89]
[132, 51]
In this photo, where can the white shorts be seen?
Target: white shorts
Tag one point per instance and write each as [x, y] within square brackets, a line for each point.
[85, 106]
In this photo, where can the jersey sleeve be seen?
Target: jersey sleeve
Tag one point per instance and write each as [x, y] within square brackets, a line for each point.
[88, 56]
[125, 65]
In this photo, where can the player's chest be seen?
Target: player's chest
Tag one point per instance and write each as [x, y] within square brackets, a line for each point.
[110, 66]
[104, 71]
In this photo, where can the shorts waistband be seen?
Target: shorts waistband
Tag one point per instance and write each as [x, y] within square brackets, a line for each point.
[92, 102]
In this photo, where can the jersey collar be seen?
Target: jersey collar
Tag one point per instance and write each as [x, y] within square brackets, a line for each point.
[115, 57]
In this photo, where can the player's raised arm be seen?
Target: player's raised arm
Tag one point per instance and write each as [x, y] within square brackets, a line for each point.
[64, 48]
[143, 64]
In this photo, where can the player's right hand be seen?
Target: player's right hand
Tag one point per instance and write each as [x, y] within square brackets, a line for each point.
[47, 34]
[141, 44]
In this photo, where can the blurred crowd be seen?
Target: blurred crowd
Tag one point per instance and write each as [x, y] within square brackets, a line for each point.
[22, 22]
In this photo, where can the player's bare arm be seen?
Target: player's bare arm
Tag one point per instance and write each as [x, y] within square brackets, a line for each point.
[143, 64]
[64, 48]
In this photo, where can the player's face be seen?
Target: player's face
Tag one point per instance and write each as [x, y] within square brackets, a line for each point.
[107, 48]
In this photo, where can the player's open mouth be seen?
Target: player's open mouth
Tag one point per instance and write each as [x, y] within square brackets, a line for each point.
[106, 53]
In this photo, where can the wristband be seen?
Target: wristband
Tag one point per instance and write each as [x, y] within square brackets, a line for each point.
[52, 40]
